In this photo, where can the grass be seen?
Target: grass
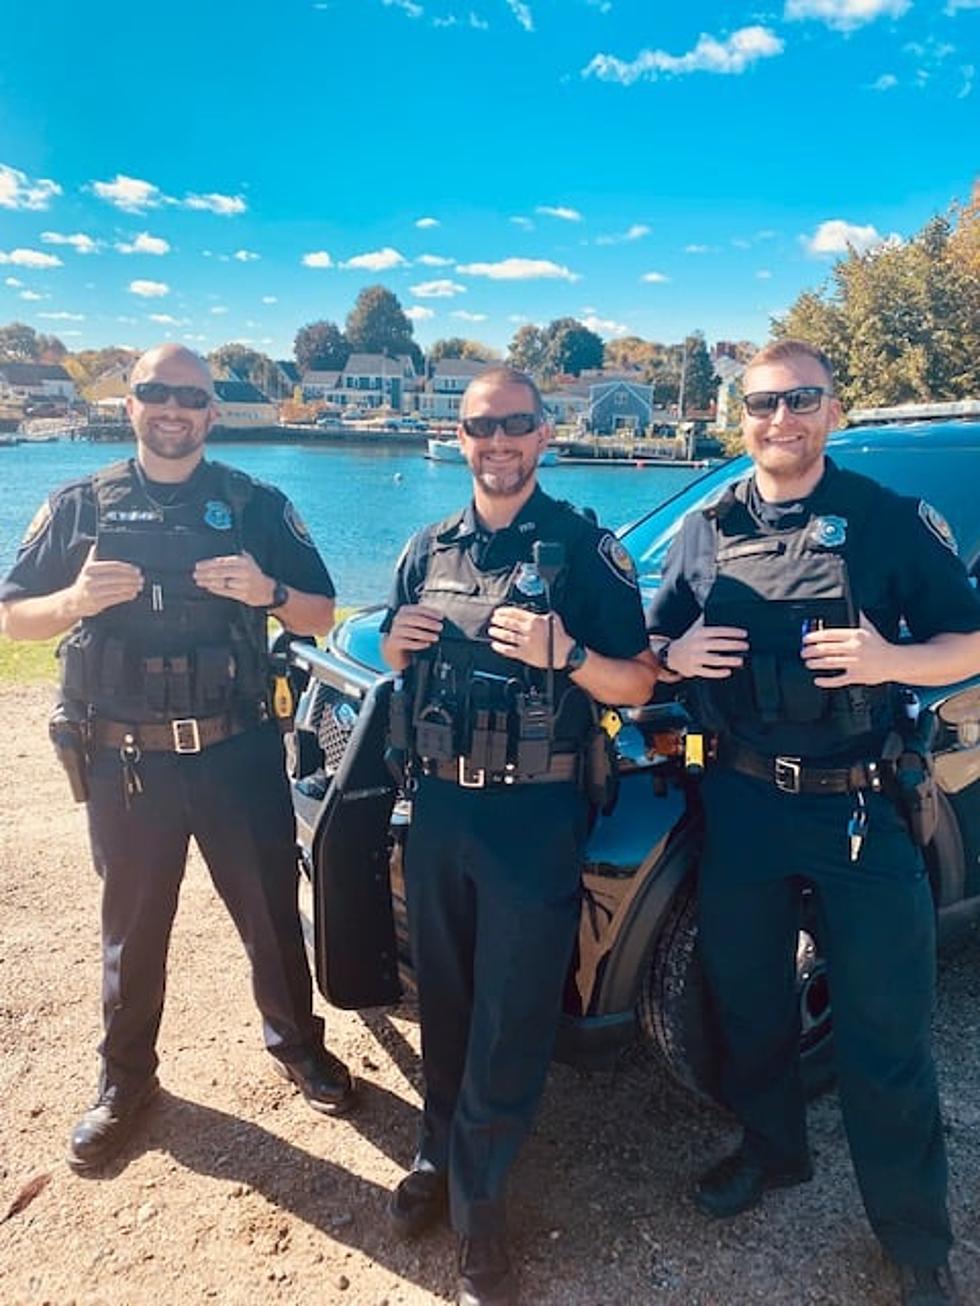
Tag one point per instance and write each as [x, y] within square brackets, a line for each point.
[25, 662]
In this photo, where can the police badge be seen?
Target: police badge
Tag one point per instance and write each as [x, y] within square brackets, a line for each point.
[938, 525]
[217, 515]
[828, 532]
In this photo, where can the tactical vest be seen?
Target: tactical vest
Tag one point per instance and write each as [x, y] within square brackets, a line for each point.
[175, 650]
[462, 684]
[777, 585]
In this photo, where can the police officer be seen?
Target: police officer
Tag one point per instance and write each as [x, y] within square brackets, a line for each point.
[782, 605]
[499, 815]
[163, 567]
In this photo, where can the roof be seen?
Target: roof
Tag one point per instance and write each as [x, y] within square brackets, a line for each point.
[288, 369]
[31, 373]
[320, 378]
[377, 364]
[459, 367]
[239, 392]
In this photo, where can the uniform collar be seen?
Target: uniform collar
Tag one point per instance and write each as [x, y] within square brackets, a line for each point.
[792, 512]
[526, 521]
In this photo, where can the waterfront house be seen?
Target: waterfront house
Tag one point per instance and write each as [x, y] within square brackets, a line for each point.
[243, 406]
[319, 385]
[618, 404]
[373, 381]
[27, 383]
[449, 377]
[567, 404]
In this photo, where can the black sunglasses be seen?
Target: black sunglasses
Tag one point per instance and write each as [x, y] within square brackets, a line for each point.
[801, 399]
[158, 392]
[483, 428]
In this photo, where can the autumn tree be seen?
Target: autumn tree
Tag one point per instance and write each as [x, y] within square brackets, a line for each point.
[528, 351]
[377, 325]
[457, 347]
[20, 343]
[320, 347]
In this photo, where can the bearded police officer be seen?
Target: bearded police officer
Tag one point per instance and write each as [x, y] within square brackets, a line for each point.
[782, 604]
[163, 568]
[496, 748]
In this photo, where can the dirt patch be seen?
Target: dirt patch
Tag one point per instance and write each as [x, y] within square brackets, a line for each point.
[235, 1192]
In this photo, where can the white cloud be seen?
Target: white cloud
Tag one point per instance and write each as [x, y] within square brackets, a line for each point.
[524, 223]
[225, 205]
[636, 232]
[18, 191]
[884, 83]
[835, 236]
[437, 289]
[198, 340]
[522, 12]
[12, 282]
[425, 223]
[270, 299]
[603, 326]
[418, 313]
[318, 259]
[764, 274]
[62, 316]
[246, 256]
[559, 211]
[434, 261]
[409, 7]
[166, 319]
[655, 278]
[517, 317]
[130, 193]
[30, 258]
[463, 316]
[844, 15]
[954, 6]
[32, 296]
[700, 249]
[969, 72]
[149, 289]
[377, 260]
[144, 244]
[519, 269]
[219, 309]
[79, 242]
[742, 49]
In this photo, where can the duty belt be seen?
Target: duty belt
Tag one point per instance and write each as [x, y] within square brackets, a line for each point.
[791, 776]
[564, 766]
[185, 735]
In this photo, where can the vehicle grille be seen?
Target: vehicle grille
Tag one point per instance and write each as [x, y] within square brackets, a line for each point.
[332, 717]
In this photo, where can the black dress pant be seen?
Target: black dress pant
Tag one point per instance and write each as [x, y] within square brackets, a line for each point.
[493, 884]
[233, 799]
[876, 921]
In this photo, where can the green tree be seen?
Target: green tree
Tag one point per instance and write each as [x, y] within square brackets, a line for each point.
[457, 347]
[20, 343]
[700, 380]
[572, 347]
[320, 347]
[377, 325]
[528, 351]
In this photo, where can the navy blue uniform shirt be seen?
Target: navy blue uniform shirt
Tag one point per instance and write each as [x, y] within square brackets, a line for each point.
[912, 576]
[63, 530]
[597, 596]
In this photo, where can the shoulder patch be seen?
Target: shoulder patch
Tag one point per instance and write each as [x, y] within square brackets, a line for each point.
[39, 523]
[938, 525]
[618, 559]
[296, 525]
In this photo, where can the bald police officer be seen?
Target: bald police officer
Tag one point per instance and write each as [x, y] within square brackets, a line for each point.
[163, 568]
[782, 605]
[499, 815]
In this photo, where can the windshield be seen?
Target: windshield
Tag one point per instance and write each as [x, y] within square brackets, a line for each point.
[929, 473]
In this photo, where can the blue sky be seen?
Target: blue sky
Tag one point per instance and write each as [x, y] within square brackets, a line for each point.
[216, 172]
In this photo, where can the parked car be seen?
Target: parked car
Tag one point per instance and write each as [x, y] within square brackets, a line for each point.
[635, 969]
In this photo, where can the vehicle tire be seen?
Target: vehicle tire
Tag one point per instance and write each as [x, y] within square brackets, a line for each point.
[676, 1018]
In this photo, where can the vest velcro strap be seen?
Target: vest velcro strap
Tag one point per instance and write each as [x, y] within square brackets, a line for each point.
[184, 735]
[791, 776]
[563, 767]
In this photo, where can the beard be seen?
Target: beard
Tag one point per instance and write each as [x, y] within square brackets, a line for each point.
[505, 478]
[172, 445]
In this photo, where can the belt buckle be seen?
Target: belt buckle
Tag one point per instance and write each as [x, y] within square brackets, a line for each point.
[187, 736]
[467, 779]
[786, 774]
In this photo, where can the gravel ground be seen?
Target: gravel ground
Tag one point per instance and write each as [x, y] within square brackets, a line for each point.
[235, 1192]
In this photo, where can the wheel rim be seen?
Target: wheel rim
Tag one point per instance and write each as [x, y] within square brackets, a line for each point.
[813, 992]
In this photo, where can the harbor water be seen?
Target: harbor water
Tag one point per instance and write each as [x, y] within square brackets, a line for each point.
[360, 504]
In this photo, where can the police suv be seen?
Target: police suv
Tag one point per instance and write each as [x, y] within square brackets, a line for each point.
[635, 969]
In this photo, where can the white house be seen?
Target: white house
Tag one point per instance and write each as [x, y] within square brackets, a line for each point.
[440, 399]
[23, 382]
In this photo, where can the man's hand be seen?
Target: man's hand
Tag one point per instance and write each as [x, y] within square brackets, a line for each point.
[101, 585]
[712, 652]
[237, 576]
[860, 652]
[413, 628]
[517, 633]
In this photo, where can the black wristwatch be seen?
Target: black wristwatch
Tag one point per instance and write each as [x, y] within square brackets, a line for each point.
[280, 596]
[663, 652]
[576, 657]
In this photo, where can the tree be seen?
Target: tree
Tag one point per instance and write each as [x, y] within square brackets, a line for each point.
[528, 351]
[19, 343]
[237, 358]
[89, 364]
[457, 347]
[320, 347]
[700, 381]
[377, 325]
[572, 347]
